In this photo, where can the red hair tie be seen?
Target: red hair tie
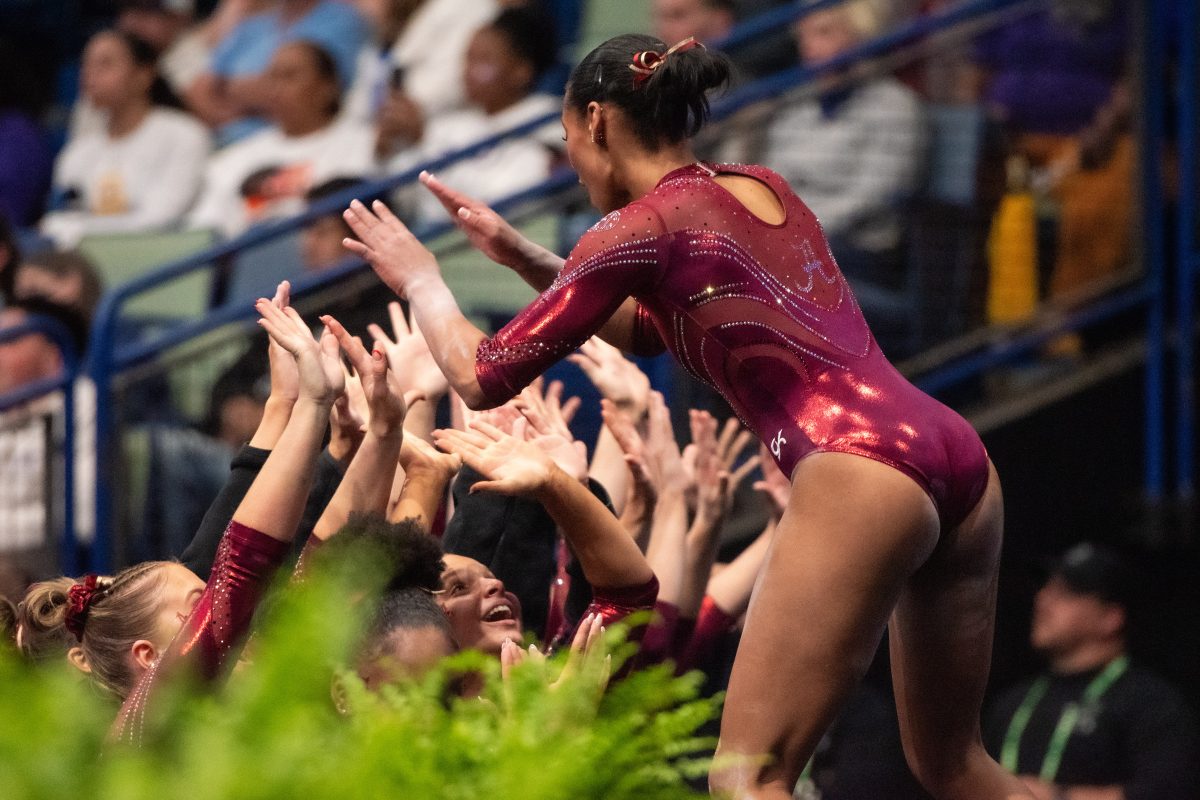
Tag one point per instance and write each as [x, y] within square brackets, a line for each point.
[79, 602]
[646, 61]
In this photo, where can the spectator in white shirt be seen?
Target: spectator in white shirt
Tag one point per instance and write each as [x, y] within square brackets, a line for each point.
[185, 46]
[170, 27]
[31, 438]
[232, 95]
[501, 69]
[267, 174]
[857, 156]
[140, 171]
[409, 74]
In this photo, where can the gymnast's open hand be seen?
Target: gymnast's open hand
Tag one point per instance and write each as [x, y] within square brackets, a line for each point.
[386, 401]
[487, 231]
[318, 362]
[509, 464]
[388, 246]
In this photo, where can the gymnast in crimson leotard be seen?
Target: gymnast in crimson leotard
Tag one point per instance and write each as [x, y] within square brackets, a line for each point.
[758, 311]
[894, 518]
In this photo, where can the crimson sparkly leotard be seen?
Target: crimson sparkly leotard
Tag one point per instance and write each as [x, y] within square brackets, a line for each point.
[761, 313]
[245, 560]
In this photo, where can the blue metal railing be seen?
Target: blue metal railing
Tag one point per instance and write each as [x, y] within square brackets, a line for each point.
[1152, 125]
[891, 41]
[57, 333]
[1187, 253]
[109, 359]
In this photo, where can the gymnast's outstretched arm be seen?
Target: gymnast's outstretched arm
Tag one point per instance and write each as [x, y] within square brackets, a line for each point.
[538, 266]
[488, 372]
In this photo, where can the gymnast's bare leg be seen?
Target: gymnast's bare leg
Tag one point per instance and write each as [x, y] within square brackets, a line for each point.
[857, 545]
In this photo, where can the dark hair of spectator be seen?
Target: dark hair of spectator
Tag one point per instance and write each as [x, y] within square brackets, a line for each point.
[24, 62]
[10, 259]
[408, 610]
[145, 55]
[412, 558]
[413, 561]
[722, 5]
[331, 187]
[669, 106]
[68, 317]
[70, 263]
[327, 69]
[531, 35]
[8, 623]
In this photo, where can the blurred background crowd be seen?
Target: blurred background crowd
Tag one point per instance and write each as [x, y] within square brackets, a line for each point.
[972, 177]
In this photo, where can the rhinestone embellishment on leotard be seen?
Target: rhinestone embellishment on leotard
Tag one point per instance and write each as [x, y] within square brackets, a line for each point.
[606, 223]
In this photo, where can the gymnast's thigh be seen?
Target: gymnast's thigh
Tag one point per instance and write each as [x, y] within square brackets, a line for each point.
[854, 531]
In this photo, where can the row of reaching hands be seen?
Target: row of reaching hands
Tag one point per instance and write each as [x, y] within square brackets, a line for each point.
[518, 447]
[515, 445]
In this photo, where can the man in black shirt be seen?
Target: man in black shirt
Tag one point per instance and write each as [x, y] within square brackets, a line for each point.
[1094, 726]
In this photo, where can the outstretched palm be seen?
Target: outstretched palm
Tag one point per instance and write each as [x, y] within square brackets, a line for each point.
[386, 403]
[387, 245]
[285, 382]
[510, 464]
[318, 363]
[408, 355]
[615, 377]
[488, 232]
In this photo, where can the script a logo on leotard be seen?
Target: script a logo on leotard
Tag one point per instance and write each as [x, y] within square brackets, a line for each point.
[777, 443]
[813, 267]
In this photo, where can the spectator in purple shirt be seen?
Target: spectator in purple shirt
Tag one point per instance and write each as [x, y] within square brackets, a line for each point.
[25, 161]
[1057, 80]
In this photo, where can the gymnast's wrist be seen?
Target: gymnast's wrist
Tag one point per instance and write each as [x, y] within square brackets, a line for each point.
[553, 484]
[536, 263]
[423, 283]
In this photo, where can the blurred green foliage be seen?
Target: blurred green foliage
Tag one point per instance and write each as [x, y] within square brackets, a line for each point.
[274, 730]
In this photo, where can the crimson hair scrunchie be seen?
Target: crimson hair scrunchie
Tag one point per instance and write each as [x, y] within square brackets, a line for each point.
[79, 602]
[646, 61]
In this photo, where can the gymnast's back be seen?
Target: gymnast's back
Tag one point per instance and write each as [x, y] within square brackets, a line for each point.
[757, 309]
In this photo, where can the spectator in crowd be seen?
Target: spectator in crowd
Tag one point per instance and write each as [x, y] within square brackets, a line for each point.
[29, 434]
[268, 173]
[1058, 80]
[1093, 726]
[408, 74]
[407, 632]
[855, 154]
[25, 158]
[548, 469]
[10, 261]
[500, 73]
[707, 20]
[169, 26]
[35, 357]
[770, 52]
[321, 239]
[235, 94]
[183, 44]
[63, 277]
[236, 401]
[142, 171]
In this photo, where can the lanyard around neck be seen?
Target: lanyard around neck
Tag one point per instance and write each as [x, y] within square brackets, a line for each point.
[1067, 721]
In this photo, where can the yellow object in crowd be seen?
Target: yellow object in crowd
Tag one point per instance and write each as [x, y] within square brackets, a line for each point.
[1012, 252]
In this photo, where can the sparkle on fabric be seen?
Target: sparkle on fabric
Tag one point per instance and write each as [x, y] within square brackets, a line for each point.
[760, 312]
